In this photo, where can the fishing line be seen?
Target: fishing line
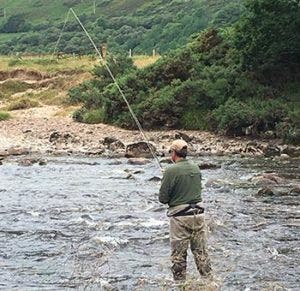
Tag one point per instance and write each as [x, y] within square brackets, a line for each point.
[61, 32]
[118, 87]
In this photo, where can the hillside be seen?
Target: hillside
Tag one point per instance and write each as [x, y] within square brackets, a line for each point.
[241, 80]
[34, 25]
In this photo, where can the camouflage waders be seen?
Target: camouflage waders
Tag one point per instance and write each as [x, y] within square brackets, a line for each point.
[185, 230]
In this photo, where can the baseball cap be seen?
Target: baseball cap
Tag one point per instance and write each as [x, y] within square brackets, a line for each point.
[178, 145]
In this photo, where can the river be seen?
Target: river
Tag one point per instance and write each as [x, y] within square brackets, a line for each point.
[94, 223]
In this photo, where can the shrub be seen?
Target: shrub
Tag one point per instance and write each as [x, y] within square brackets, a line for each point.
[89, 116]
[94, 116]
[194, 120]
[78, 114]
[232, 117]
[262, 115]
[4, 115]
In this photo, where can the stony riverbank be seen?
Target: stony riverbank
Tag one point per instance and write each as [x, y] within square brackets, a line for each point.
[42, 131]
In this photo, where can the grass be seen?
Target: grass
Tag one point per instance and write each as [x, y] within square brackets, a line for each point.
[67, 72]
[51, 97]
[142, 61]
[4, 115]
[49, 64]
[22, 103]
[11, 87]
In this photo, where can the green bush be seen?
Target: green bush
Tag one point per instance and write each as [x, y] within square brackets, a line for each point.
[232, 117]
[89, 116]
[4, 115]
[78, 114]
[94, 116]
[262, 115]
[194, 120]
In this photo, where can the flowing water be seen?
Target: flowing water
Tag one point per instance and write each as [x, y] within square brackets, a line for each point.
[95, 224]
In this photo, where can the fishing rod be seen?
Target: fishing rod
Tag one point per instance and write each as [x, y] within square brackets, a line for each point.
[117, 85]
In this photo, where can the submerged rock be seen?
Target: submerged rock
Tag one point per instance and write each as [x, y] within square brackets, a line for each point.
[267, 179]
[42, 162]
[26, 162]
[155, 179]
[208, 166]
[138, 161]
[265, 192]
[166, 161]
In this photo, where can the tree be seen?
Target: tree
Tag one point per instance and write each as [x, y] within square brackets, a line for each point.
[16, 23]
[269, 33]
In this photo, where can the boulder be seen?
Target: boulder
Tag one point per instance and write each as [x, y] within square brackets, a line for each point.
[267, 179]
[109, 140]
[138, 161]
[184, 136]
[208, 166]
[3, 153]
[54, 136]
[292, 151]
[116, 145]
[17, 151]
[271, 151]
[28, 162]
[42, 162]
[139, 150]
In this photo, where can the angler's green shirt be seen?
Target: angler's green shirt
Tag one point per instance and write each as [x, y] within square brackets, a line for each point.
[181, 184]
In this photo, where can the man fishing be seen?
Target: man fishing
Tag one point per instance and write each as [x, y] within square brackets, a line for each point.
[181, 190]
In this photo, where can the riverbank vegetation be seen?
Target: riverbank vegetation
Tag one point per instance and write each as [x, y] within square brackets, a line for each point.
[238, 80]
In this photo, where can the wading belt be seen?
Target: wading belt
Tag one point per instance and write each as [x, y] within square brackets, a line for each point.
[196, 209]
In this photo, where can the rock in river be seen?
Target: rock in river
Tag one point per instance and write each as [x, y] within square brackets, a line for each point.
[139, 150]
[267, 179]
[138, 161]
